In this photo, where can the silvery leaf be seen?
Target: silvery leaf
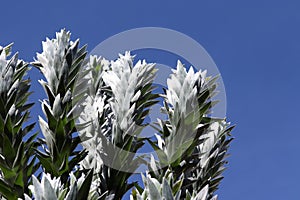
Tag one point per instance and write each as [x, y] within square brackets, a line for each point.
[57, 110]
[48, 191]
[202, 195]
[154, 192]
[36, 188]
[166, 190]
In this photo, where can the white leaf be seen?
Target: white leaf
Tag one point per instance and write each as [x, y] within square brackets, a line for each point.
[166, 190]
[57, 110]
[136, 96]
[36, 188]
[202, 195]
[48, 192]
[154, 190]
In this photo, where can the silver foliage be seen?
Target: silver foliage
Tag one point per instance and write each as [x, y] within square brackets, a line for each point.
[52, 188]
[191, 146]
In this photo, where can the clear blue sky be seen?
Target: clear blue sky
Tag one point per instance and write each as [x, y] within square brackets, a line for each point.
[255, 44]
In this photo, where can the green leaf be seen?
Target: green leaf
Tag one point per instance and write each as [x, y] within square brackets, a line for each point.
[85, 187]
[177, 186]
[8, 173]
[7, 191]
[19, 156]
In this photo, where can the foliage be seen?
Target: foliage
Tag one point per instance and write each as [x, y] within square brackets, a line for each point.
[126, 90]
[94, 113]
[17, 160]
[190, 144]
[60, 63]
[52, 188]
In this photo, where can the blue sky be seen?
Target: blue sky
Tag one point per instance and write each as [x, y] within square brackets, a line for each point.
[255, 44]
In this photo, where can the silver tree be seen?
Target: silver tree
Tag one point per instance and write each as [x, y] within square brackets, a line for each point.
[94, 113]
